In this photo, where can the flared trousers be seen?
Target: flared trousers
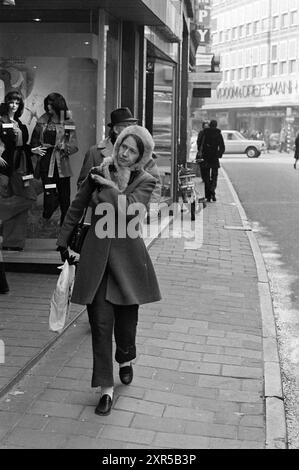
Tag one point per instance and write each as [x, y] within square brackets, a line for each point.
[104, 318]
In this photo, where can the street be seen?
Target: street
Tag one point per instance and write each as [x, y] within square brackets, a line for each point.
[268, 188]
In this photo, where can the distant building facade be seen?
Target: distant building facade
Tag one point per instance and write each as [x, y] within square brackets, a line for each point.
[258, 43]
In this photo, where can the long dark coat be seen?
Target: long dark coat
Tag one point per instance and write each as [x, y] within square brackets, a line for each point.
[213, 147]
[131, 276]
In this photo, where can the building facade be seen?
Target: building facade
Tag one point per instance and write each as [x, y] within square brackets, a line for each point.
[258, 43]
[100, 55]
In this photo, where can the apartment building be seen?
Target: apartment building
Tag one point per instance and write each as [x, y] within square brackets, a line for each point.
[258, 43]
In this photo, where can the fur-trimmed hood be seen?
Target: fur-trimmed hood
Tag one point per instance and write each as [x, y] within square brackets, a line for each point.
[147, 140]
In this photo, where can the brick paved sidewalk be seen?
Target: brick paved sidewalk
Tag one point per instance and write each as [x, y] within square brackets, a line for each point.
[199, 373]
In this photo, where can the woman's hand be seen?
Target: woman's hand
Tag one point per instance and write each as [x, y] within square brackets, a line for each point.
[41, 151]
[98, 179]
[3, 162]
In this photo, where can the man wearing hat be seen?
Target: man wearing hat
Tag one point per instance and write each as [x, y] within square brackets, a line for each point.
[120, 119]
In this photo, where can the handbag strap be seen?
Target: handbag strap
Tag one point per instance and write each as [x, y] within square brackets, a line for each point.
[81, 221]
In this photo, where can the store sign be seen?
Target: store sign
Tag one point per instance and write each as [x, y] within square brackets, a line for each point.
[204, 21]
[279, 88]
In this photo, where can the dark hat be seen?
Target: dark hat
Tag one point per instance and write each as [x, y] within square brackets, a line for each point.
[121, 115]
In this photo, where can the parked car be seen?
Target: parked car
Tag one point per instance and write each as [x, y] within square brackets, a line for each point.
[235, 142]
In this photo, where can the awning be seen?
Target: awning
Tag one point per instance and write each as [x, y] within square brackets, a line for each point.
[144, 12]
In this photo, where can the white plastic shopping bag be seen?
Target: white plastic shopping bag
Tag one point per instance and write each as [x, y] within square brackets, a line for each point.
[60, 300]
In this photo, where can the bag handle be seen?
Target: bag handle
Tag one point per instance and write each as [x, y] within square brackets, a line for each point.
[81, 221]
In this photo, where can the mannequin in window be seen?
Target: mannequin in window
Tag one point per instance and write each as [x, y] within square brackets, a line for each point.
[54, 141]
[16, 173]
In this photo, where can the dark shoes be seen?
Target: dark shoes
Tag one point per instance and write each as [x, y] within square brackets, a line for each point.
[126, 374]
[214, 198]
[104, 405]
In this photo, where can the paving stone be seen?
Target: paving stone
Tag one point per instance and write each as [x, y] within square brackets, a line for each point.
[139, 406]
[154, 423]
[35, 439]
[47, 408]
[180, 441]
[139, 436]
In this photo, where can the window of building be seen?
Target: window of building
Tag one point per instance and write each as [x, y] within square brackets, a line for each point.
[292, 66]
[234, 33]
[274, 52]
[240, 74]
[284, 20]
[274, 67]
[221, 36]
[264, 70]
[226, 35]
[293, 18]
[254, 71]
[226, 76]
[255, 27]
[264, 24]
[275, 22]
[233, 75]
[247, 73]
[241, 31]
[283, 68]
[248, 29]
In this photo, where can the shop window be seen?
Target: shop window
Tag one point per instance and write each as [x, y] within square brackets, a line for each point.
[112, 64]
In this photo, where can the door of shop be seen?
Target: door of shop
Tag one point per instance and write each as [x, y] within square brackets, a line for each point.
[159, 116]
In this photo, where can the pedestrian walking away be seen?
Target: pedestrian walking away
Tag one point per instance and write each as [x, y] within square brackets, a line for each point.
[115, 273]
[212, 144]
[296, 156]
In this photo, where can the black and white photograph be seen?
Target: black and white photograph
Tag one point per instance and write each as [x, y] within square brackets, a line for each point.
[149, 215]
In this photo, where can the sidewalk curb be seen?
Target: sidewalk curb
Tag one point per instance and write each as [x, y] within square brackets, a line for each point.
[276, 432]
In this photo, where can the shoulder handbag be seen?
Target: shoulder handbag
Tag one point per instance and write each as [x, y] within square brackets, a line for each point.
[78, 235]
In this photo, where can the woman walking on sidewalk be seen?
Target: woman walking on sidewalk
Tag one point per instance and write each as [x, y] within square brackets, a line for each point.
[115, 273]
